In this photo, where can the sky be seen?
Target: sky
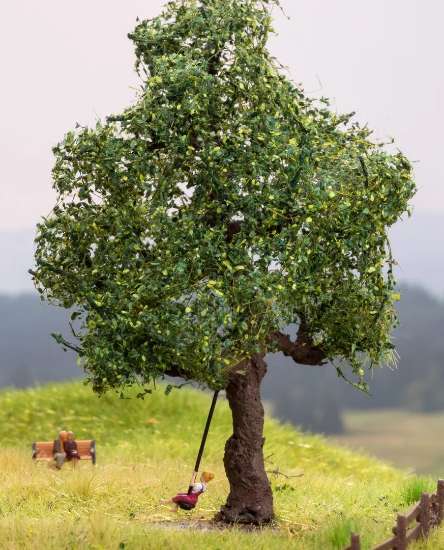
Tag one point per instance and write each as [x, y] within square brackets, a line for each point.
[63, 63]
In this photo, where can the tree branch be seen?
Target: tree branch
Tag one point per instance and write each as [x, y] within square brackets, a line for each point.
[174, 372]
[303, 351]
[233, 228]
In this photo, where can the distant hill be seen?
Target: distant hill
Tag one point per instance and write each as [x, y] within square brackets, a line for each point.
[312, 397]
[28, 353]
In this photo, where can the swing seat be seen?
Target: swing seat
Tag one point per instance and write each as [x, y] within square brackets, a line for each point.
[185, 505]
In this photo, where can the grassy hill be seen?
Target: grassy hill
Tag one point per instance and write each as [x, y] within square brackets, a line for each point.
[116, 505]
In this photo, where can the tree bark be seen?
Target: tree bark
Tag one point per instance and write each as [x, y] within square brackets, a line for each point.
[250, 499]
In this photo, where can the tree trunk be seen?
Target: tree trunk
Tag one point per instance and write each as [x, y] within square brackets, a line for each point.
[250, 499]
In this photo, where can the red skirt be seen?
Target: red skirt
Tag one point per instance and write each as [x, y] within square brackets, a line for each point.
[184, 497]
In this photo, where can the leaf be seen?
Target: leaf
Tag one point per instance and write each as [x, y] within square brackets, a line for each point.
[210, 139]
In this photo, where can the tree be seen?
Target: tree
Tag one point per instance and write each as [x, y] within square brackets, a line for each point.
[218, 208]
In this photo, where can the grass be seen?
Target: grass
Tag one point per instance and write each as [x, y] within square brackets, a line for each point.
[404, 439]
[116, 505]
[338, 532]
[413, 487]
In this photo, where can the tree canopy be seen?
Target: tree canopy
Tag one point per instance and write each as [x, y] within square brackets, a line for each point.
[219, 207]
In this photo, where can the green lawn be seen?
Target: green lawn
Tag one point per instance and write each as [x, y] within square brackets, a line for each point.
[410, 441]
[116, 505]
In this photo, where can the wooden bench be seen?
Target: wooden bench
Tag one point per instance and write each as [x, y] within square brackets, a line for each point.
[42, 450]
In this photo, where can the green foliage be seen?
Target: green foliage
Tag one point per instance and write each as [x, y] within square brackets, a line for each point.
[221, 205]
[413, 487]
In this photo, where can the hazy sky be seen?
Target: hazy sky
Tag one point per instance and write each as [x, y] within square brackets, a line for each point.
[62, 63]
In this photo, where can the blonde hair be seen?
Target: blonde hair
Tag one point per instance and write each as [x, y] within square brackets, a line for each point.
[207, 476]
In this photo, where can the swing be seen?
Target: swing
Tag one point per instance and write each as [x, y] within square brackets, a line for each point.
[187, 505]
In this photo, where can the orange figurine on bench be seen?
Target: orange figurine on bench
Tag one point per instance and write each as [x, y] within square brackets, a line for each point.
[58, 449]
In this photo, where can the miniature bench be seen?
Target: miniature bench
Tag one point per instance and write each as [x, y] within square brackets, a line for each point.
[42, 450]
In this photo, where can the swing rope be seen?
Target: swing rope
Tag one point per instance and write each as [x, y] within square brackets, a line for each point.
[204, 439]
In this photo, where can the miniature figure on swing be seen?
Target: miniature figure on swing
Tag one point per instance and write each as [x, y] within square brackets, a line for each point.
[187, 501]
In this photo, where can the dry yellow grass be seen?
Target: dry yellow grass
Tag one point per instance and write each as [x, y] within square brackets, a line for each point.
[116, 505]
